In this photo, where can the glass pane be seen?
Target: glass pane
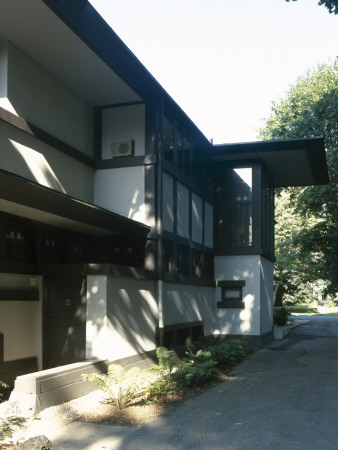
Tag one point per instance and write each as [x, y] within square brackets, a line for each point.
[168, 139]
[242, 207]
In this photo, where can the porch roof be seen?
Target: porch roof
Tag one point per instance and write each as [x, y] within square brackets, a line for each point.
[293, 162]
[24, 198]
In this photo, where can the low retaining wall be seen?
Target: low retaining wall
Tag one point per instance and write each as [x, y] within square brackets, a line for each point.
[40, 390]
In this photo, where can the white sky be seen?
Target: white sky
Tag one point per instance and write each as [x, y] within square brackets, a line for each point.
[224, 61]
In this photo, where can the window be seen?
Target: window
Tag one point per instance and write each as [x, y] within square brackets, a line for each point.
[232, 295]
[241, 207]
[168, 139]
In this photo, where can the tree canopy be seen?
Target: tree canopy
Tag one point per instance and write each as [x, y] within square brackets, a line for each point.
[331, 5]
[307, 236]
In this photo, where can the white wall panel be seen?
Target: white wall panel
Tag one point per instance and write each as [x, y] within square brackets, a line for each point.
[122, 191]
[122, 124]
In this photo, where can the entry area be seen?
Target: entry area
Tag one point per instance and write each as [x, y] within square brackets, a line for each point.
[64, 320]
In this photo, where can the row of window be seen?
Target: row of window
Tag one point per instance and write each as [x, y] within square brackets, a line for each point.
[181, 259]
[28, 242]
[186, 214]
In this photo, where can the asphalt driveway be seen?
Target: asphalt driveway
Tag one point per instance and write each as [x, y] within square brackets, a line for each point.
[285, 396]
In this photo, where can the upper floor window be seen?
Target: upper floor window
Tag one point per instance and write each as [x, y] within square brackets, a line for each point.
[245, 209]
[242, 207]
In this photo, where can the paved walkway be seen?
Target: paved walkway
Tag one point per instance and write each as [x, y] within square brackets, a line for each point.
[285, 396]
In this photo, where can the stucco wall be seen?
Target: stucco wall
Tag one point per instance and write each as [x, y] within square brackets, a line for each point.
[240, 321]
[183, 303]
[266, 319]
[122, 124]
[38, 162]
[38, 97]
[122, 191]
[20, 321]
[121, 317]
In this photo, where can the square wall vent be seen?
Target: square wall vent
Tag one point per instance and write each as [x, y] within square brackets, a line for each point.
[122, 148]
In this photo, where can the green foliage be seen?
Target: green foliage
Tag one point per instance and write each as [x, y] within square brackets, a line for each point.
[280, 315]
[160, 388]
[195, 368]
[119, 384]
[3, 386]
[164, 384]
[303, 308]
[331, 5]
[166, 364]
[228, 351]
[307, 217]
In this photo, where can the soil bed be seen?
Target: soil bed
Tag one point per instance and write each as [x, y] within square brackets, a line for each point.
[139, 413]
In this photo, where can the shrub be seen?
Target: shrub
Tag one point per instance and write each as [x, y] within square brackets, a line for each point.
[228, 351]
[121, 385]
[280, 315]
[195, 368]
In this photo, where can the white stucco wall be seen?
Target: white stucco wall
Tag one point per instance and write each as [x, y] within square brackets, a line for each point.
[20, 321]
[121, 317]
[266, 318]
[122, 191]
[123, 124]
[185, 303]
[37, 96]
[32, 159]
[246, 321]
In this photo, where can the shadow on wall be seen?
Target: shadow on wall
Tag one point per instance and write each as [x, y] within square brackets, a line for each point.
[30, 164]
[182, 304]
[122, 318]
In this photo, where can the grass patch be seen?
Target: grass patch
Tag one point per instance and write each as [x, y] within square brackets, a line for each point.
[303, 308]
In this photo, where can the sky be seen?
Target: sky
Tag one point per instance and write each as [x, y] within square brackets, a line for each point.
[225, 61]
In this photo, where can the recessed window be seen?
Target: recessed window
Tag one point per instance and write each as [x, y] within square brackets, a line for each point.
[232, 294]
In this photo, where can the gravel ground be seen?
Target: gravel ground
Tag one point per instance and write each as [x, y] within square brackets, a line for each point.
[16, 427]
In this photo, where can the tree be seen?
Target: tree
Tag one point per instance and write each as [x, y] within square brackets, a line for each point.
[331, 5]
[307, 243]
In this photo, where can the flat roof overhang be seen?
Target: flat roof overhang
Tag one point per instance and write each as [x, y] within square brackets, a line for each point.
[24, 198]
[74, 43]
[294, 162]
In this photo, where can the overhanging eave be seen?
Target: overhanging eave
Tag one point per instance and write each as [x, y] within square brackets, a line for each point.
[25, 198]
[295, 162]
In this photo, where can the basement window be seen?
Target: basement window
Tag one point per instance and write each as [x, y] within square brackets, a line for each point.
[232, 294]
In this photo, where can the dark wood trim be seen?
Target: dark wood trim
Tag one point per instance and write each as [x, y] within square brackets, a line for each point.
[190, 280]
[126, 161]
[231, 283]
[43, 136]
[119, 271]
[244, 251]
[29, 294]
[181, 326]
[235, 304]
[17, 268]
[121, 105]
[97, 134]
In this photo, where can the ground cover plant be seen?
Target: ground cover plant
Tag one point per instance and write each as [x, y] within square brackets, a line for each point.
[171, 378]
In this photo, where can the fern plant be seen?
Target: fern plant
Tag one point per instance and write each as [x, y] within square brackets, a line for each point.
[119, 384]
[166, 364]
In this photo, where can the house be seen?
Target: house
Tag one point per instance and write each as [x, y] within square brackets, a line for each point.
[121, 226]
